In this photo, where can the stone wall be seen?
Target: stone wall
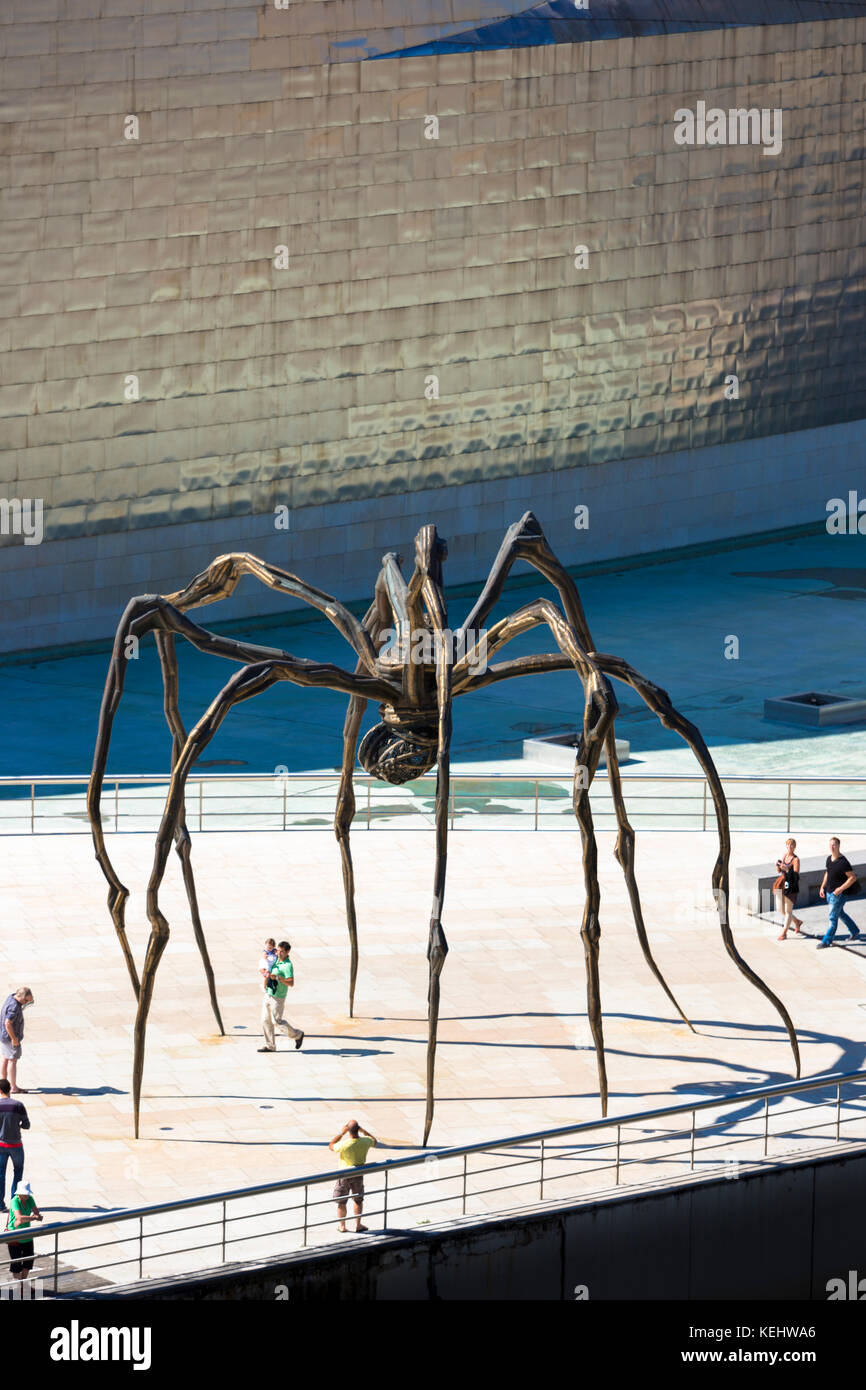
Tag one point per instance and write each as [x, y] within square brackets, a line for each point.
[408, 257]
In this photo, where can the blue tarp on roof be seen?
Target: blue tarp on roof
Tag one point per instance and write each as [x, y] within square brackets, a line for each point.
[559, 21]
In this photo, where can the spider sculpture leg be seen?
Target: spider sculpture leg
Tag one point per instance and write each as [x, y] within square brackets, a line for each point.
[501, 633]
[525, 540]
[117, 892]
[374, 620]
[599, 713]
[183, 843]
[154, 613]
[221, 578]
[429, 550]
[151, 612]
[658, 700]
[343, 817]
[244, 683]
[625, 857]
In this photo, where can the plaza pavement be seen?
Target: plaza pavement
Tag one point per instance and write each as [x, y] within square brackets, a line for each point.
[514, 1053]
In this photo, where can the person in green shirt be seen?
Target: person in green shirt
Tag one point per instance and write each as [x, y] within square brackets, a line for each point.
[277, 985]
[22, 1210]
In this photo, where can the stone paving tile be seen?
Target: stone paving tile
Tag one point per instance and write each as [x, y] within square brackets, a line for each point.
[514, 1052]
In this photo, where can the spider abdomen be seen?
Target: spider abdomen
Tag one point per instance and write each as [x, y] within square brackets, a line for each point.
[398, 752]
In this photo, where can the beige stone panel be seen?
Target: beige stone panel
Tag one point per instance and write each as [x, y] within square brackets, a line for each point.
[21, 73]
[165, 509]
[21, 367]
[398, 73]
[17, 170]
[18, 236]
[23, 466]
[277, 52]
[15, 267]
[22, 333]
[21, 40]
[241, 499]
[72, 489]
[22, 203]
[15, 436]
[18, 400]
[23, 300]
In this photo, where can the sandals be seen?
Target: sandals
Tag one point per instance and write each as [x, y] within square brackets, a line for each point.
[784, 935]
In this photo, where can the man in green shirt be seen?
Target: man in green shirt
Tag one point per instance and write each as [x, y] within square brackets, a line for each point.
[277, 985]
[22, 1210]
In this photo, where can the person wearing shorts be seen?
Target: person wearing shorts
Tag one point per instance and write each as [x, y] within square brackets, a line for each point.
[22, 1210]
[352, 1145]
[11, 1034]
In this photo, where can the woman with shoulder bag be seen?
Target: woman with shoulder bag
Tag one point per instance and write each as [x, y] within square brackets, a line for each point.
[788, 886]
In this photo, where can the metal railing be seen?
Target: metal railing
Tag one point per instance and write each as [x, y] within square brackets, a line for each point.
[215, 801]
[538, 1166]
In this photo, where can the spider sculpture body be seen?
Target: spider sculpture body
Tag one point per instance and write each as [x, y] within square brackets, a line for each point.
[415, 701]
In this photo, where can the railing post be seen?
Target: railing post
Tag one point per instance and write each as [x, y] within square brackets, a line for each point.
[306, 1202]
[32, 807]
[536, 803]
[465, 1157]
[200, 804]
[541, 1180]
[766, 1124]
[705, 806]
[692, 1149]
[223, 1242]
[838, 1109]
[789, 807]
[56, 1238]
[451, 800]
[368, 805]
[141, 1247]
[385, 1207]
[116, 806]
[285, 789]
[618, 1137]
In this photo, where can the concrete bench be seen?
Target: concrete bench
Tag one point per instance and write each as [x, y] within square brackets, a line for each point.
[559, 752]
[753, 884]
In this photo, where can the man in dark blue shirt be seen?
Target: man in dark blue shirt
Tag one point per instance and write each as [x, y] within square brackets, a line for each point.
[13, 1118]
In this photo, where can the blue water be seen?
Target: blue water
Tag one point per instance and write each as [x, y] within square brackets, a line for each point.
[796, 607]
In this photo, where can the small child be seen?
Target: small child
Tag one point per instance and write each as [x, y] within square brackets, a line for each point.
[266, 964]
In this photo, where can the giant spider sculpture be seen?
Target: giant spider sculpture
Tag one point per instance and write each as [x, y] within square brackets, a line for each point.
[414, 734]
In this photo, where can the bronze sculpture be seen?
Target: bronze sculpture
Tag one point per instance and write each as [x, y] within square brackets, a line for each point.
[414, 734]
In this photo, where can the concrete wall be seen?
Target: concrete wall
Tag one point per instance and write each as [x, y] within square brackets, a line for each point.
[305, 387]
[780, 1233]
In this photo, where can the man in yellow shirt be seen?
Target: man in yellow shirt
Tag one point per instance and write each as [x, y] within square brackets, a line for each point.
[352, 1145]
